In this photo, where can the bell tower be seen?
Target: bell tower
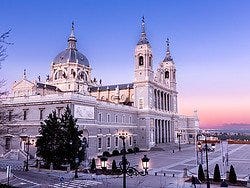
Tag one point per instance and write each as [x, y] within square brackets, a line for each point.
[169, 68]
[143, 58]
[144, 74]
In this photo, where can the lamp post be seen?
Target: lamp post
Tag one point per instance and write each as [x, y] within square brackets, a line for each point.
[206, 150]
[179, 140]
[26, 138]
[76, 170]
[125, 168]
[208, 183]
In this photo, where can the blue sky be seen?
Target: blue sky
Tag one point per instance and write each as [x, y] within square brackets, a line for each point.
[209, 42]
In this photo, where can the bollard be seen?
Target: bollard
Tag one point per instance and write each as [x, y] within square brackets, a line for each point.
[51, 167]
[39, 166]
[68, 168]
[173, 150]
[164, 174]
[185, 173]
[173, 175]
[155, 173]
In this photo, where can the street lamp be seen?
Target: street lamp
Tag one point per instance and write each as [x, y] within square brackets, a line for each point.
[179, 139]
[206, 150]
[27, 143]
[76, 170]
[124, 165]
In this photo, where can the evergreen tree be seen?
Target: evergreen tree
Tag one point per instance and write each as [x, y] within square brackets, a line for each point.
[201, 175]
[232, 175]
[217, 177]
[114, 167]
[93, 165]
[71, 142]
[60, 140]
[48, 144]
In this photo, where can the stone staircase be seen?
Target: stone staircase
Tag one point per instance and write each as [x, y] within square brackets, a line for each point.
[15, 154]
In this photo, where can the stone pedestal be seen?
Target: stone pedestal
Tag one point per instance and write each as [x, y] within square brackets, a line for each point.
[185, 173]
[248, 182]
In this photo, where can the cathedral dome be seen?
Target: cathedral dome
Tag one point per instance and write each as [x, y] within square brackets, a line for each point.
[71, 54]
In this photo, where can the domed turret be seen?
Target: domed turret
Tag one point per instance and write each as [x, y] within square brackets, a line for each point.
[71, 54]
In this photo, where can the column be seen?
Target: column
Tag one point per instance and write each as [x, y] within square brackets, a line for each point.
[158, 99]
[168, 102]
[155, 99]
[159, 128]
[162, 130]
[165, 105]
[169, 130]
[156, 131]
[166, 130]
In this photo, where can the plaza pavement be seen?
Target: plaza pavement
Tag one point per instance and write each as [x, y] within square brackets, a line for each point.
[162, 163]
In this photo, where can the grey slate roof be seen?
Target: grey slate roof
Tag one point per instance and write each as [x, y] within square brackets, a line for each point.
[112, 87]
[50, 87]
[71, 55]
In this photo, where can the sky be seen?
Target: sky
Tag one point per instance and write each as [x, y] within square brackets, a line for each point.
[210, 43]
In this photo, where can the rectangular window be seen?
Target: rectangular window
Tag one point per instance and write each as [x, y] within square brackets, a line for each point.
[108, 118]
[100, 117]
[108, 142]
[116, 118]
[25, 114]
[7, 143]
[41, 113]
[130, 120]
[130, 141]
[10, 115]
[99, 143]
[123, 119]
[116, 142]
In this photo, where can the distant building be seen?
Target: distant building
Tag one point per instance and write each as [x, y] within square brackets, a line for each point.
[145, 109]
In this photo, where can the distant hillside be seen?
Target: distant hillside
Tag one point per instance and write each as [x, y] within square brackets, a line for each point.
[229, 126]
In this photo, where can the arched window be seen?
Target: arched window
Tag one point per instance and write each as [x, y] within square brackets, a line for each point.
[140, 61]
[56, 76]
[150, 61]
[166, 74]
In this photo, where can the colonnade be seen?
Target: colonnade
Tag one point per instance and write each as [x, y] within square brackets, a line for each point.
[163, 131]
[162, 100]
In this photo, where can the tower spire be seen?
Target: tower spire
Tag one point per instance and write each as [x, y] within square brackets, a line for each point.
[72, 39]
[143, 39]
[168, 55]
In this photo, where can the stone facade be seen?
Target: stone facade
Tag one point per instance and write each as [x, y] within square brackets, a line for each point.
[145, 109]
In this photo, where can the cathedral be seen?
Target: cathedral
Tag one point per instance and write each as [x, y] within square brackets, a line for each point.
[145, 110]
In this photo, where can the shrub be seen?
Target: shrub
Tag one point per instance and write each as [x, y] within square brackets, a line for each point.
[106, 153]
[123, 151]
[115, 152]
[136, 149]
[130, 150]
[217, 177]
[114, 167]
[201, 175]
[93, 165]
[232, 175]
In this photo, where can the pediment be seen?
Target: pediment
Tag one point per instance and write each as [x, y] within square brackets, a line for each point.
[23, 84]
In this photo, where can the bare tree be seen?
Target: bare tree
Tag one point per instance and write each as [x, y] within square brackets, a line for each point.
[6, 117]
[3, 54]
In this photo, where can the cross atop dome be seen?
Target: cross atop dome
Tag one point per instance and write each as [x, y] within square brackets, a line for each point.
[72, 39]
